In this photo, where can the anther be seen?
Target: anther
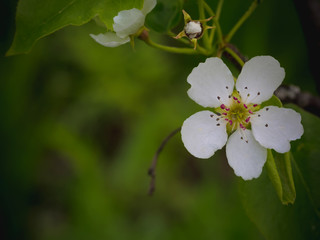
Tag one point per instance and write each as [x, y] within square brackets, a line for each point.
[250, 112]
[245, 106]
[254, 105]
[230, 121]
[235, 98]
[227, 109]
[225, 114]
[248, 119]
[238, 101]
[222, 106]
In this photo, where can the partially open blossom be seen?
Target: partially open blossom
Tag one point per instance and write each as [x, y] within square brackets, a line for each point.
[238, 120]
[193, 29]
[126, 24]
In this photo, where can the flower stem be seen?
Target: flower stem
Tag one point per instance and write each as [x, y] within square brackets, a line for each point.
[189, 51]
[216, 22]
[219, 7]
[234, 55]
[244, 17]
[206, 41]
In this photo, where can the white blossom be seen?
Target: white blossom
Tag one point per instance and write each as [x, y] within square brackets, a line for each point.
[237, 113]
[126, 23]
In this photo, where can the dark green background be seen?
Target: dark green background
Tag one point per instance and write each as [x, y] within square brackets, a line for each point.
[80, 123]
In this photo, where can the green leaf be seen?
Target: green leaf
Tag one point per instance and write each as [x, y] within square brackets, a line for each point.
[165, 15]
[280, 173]
[261, 202]
[36, 19]
[273, 101]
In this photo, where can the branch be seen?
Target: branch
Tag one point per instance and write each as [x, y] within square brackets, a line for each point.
[152, 169]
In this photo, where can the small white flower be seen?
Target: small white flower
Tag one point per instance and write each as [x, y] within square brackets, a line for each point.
[193, 29]
[126, 23]
[252, 129]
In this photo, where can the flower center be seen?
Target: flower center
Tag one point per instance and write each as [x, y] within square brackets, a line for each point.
[193, 29]
[238, 114]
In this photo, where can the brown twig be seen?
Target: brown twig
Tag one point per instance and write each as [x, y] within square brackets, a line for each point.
[152, 169]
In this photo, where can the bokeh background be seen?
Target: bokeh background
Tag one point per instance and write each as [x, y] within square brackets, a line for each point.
[80, 123]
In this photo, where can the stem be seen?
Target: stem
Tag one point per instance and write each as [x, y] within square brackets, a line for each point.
[234, 55]
[152, 169]
[216, 22]
[244, 17]
[206, 41]
[190, 51]
[182, 40]
[219, 7]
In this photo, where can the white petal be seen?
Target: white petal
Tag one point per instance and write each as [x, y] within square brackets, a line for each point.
[128, 22]
[210, 81]
[259, 78]
[276, 127]
[148, 5]
[109, 39]
[202, 134]
[245, 155]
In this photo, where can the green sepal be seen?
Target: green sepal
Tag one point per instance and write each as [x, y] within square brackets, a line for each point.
[280, 173]
[273, 101]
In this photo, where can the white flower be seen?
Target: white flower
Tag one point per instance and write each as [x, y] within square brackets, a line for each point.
[126, 23]
[237, 112]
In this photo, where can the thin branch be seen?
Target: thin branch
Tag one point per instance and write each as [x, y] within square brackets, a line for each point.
[152, 169]
[247, 14]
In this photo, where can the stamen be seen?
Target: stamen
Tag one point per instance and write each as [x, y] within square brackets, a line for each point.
[223, 106]
[245, 106]
[254, 105]
[250, 112]
[227, 109]
[225, 114]
[230, 122]
[235, 98]
[248, 119]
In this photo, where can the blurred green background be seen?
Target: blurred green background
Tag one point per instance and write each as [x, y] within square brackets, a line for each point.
[80, 124]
